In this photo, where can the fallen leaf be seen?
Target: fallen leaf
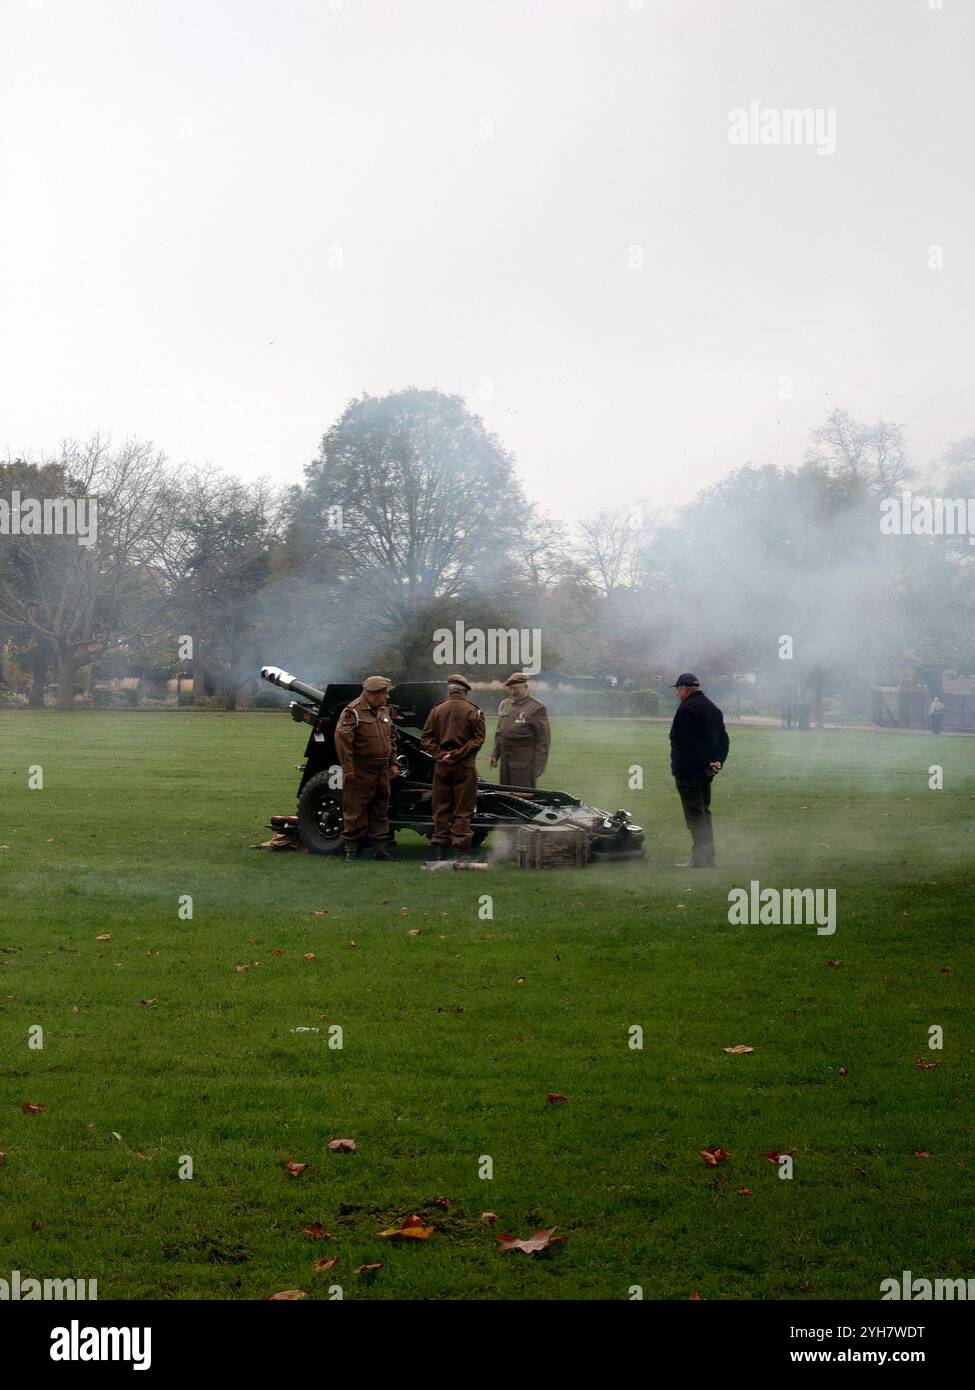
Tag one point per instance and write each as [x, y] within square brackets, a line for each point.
[740, 1048]
[554, 1098]
[489, 1216]
[926, 1066]
[680, 905]
[921, 1153]
[116, 1135]
[29, 1108]
[242, 970]
[320, 912]
[278, 951]
[843, 1071]
[351, 942]
[441, 1202]
[295, 1169]
[695, 1297]
[3, 1158]
[403, 911]
[858, 1169]
[323, 1266]
[947, 970]
[316, 1231]
[714, 1156]
[342, 1146]
[37, 1225]
[413, 931]
[520, 980]
[152, 951]
[834, 964]
[309, 955]
[106, 936]
[368, 1269]
[744, 1192]
[287, 1294]
[534, 1245]
[774, 1155]
[148, 1003]
[411, 1229]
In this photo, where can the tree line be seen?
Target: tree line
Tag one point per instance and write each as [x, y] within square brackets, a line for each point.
[412, 516]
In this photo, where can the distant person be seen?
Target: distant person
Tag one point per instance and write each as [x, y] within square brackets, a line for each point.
[936, 715]
[698, 751]
[452, 735]
[522, 739]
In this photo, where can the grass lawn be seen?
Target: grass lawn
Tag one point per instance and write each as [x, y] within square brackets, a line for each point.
[454, 1038]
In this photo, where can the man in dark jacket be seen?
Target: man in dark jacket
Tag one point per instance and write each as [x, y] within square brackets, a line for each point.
[698, 751]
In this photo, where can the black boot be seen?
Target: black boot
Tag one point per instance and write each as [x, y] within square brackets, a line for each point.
[443, 852]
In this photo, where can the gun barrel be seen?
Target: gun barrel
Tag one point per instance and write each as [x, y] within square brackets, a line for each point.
[275, 676]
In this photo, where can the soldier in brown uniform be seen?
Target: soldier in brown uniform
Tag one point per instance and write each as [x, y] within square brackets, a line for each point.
[453, 733]
[365, 741]
[522, 738]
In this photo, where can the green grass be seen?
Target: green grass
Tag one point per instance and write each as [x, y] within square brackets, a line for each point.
[454, 1038]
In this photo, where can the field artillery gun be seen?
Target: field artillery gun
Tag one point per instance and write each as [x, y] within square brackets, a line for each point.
[318, 822]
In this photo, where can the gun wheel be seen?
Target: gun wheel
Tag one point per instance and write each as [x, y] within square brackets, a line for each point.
[320, 816]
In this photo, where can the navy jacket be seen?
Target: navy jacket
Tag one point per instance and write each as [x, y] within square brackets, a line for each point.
[697, 737]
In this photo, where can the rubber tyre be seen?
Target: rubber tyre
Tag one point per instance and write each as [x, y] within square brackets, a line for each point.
[320, 816]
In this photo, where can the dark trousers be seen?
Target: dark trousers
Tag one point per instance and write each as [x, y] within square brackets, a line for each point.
[365, 807]
[454, 799]
[695, 797]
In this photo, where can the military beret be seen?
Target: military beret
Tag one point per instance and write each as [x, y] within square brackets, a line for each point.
[372, 683]
[459, 680]
[519, 678]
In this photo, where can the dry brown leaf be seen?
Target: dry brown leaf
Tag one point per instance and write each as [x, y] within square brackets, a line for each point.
[744, 1192]
[534, 1245]
[926, 1066]
[323, 1266]
[442, 1202]
[295, 1169]
[368, 1269]
[413, 931]
[774, 1155]
[309, 955]
[411, 1229]
[714, 1156]
[106, 936]
[739, 1048]
[342, 1146]
[556, 1098]
[278, 951]
[489, 1216]
[287, 1294]
[29, 1108]
[316, 1231]
[152, 951]
[148, 1003]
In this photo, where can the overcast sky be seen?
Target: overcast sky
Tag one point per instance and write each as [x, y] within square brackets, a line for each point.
[222, 219]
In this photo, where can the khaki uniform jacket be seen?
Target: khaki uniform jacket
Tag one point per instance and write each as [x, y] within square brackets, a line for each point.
[522, 736]
[365, 737]
[455, 726]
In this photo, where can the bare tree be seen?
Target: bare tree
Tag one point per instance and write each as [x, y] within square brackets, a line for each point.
[84, 601]
[872, 459]
[614, 547]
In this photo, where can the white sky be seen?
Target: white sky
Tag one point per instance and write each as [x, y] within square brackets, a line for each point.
[174, 174]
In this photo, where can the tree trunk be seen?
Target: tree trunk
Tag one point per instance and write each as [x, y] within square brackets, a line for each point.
[66, 668]
[40, 664]
[230, 703]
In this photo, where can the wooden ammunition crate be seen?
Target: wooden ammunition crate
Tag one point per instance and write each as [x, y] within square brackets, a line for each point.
[552, 847]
